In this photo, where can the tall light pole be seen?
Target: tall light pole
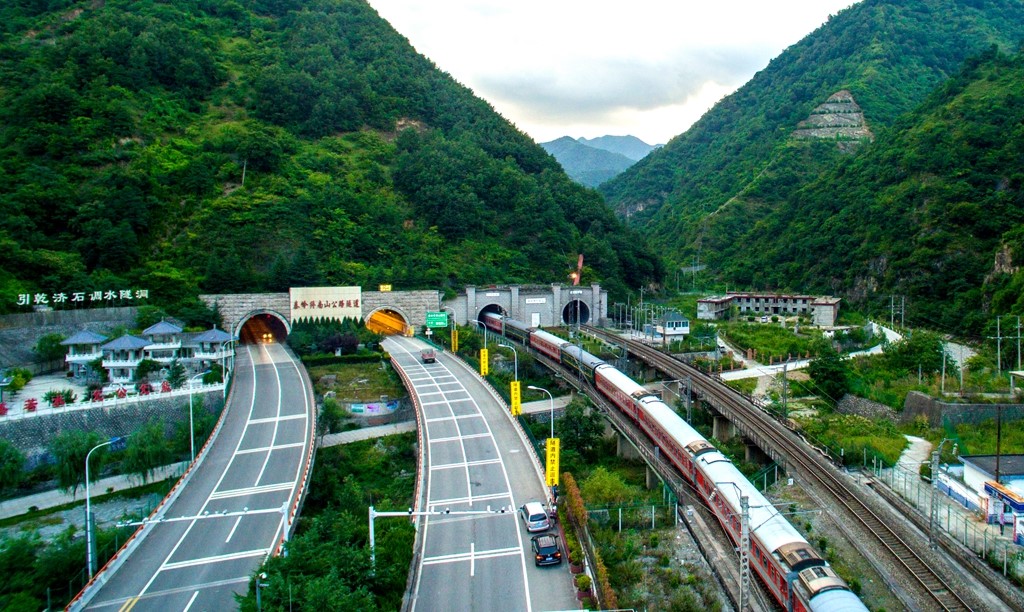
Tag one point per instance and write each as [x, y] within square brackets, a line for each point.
[485, 330]
[191, 426]
[89, 560]
[744, 543]
[225, 363]
[515, 355]
[551, 402]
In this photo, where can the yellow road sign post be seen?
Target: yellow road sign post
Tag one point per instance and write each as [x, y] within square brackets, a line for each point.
[551, 473]
[483, 362]
[517, 405]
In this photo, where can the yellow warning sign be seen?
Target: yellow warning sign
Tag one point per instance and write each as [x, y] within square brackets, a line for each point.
[483, 362]
[455, 340]
[517, 406]
[551, 475]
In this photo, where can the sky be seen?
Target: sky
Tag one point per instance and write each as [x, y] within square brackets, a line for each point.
[647, 68]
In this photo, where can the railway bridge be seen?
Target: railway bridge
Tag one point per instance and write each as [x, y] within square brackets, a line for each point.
[252, 316]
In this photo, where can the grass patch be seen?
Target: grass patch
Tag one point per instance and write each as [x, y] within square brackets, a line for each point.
[359, 382]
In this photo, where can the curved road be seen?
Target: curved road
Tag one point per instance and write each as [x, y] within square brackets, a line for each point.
[473, 458]
[235, 510]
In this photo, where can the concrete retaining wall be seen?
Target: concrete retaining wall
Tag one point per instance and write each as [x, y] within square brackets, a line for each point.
[20, 332]
[944, 413]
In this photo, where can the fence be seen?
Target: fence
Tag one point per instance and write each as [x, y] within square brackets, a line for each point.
[638, 517]
[954, 520]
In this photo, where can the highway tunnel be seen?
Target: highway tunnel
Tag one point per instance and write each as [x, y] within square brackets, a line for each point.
[262, 328]
[387, 322]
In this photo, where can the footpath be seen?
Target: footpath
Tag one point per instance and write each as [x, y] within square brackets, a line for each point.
[56, 497]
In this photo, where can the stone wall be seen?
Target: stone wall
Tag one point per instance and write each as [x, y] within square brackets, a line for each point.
[851, 404]
[949, 414]
[32, 435]
[19, 333]
[234, 306]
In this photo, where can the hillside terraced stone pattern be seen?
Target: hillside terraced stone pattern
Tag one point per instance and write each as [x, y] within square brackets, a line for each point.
[839, 118]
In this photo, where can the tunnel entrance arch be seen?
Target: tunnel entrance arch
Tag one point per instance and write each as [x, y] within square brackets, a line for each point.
[262, 326]
[388, 321]
[576, 312]
[490, 308]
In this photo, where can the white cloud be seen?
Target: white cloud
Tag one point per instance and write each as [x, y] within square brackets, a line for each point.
[567, 67]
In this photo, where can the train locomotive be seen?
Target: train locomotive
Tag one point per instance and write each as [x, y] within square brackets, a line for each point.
[793, 571]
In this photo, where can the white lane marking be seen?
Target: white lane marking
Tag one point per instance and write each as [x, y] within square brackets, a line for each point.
[231, 534]
[269, 488]
[455, 418]
[433, 504]
[462, 464]
[264, 449]
[191, 601]
[472, 560]
[259, 552]
[472, 555]
[457, 438]
[287, 417]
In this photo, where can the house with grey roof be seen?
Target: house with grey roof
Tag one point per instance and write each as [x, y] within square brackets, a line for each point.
[121, 357]
[83, 349]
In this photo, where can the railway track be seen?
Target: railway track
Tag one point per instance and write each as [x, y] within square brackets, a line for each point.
[811, 465]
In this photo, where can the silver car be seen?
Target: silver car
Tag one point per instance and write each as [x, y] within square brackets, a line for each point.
[534, 517]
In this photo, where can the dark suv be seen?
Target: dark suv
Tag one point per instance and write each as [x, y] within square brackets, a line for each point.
[546, 550]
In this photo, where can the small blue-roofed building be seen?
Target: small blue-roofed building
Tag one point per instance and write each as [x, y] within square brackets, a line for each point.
[121, 356]
[210, 347]
[83, 349]
[1000, 500]
[164, 342]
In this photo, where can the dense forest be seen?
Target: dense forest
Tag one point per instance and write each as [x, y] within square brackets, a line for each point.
[724, 191]
[217, 146]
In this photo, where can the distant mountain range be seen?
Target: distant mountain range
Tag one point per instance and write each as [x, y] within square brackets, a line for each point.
[593, 161]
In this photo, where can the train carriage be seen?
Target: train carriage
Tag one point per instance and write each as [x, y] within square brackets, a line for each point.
[548, 344]
[790, 567]
[580, 360]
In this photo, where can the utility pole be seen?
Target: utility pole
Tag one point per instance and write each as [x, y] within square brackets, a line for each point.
[785, 392]
[892, 311]
[903, 311]
[1018, 342]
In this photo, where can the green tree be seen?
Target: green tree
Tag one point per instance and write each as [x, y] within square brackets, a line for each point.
[70, 448]
[605, 488]
[176, 374]
[49, 347]
[919, 350]
[145, 368]
[12, 465]
[147, 450]
[830, 373]
[580, 428]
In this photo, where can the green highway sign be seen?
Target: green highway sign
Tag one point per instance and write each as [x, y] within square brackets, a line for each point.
[437, 319]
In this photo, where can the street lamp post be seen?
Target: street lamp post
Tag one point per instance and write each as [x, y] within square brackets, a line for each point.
[89, 560]
[191, 426]
[515, 355]
[485, 330]
[260, 585]
[551, 402]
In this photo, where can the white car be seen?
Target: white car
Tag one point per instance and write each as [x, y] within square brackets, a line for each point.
[534, 517]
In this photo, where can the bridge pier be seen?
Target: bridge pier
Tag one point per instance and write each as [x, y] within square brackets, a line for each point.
[624, 448]
[753, 453]
[651, 478]
[722, 428]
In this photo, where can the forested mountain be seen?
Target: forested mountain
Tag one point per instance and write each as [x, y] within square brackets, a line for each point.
[630, 146]
[212, 145]
[733, 175]
[932, 210]
[587, 165]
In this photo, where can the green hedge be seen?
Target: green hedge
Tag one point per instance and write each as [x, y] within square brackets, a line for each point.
[321, 359]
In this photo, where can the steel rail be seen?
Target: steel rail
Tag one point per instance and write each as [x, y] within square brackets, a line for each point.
[812, 465]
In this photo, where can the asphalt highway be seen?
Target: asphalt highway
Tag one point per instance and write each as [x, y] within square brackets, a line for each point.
[474, 460]
[233, 512]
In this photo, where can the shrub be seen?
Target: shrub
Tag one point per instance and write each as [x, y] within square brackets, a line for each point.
[583, 582]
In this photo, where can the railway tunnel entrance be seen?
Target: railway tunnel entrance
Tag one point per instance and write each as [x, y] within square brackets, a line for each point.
[576, 312]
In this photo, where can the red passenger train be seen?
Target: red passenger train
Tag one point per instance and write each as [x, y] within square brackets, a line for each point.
[792, 570]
